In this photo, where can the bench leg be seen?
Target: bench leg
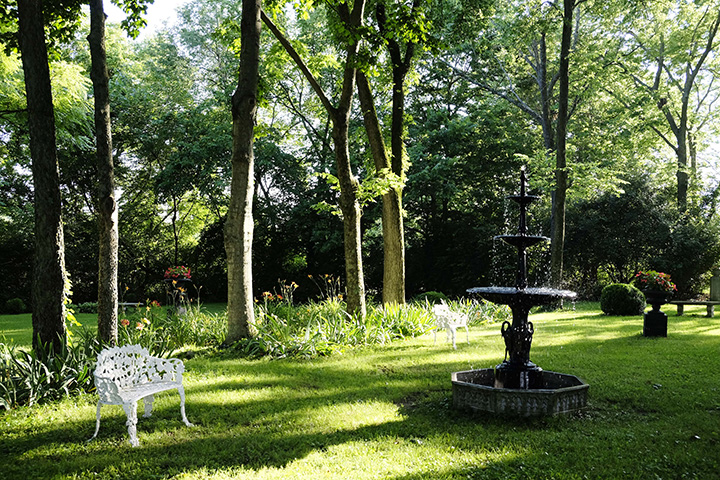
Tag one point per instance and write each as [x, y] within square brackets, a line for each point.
[148, 401]
[711, 311]
[680, 309]
[97, 422]
[181, 392]
[467, 335]
[131, 413]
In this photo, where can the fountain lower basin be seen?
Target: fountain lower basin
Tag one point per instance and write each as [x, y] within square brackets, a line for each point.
[530, 297]
[560, 394]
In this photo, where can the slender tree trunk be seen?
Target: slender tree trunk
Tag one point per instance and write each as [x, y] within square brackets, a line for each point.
[176, 234]
[692, 151]
[48, 285]
[393, 235]
[349, 185]
[350, 208]
[558, 239]
[394, 276]
[106, 205]
[549, 138]
[683, 179]
[340, 117]
[239, 224]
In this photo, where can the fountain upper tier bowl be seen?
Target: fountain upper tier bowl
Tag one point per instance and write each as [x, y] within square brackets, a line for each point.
[513, 296]
[522, 241]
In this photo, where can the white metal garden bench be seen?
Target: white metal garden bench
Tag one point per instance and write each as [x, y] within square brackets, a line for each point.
[126, 374]
[450, 321]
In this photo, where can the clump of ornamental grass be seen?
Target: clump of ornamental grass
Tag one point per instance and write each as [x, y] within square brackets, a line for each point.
[321, 328]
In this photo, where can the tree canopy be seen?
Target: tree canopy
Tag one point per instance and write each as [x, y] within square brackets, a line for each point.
[481, 97]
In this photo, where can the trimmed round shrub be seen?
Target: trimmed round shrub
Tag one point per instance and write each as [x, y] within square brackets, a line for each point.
[622, 299]
[431, 297]
[15, 305]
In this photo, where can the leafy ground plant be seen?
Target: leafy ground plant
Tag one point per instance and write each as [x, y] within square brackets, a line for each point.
[321, 328]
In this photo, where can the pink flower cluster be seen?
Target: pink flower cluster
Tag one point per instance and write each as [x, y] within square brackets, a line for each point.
[177, 272]
[653, 280]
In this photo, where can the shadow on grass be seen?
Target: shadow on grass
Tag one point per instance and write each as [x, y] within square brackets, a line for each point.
[255, 415]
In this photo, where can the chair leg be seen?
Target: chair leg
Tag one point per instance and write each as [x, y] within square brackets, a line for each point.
[131, 413]
[452, 330]
[148, 401]
[181, 392]
[467, 334]
[97, 422]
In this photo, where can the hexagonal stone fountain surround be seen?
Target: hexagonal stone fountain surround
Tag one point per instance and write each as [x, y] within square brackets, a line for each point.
[561, 393]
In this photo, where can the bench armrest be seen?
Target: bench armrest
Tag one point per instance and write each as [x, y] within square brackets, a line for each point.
[163, 369]
[107, 388]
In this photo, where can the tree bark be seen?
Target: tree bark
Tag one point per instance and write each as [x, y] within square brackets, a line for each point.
[239, 224]
[48, 285]
[105, 195]
[549, 138]
[394, 276]
[558, 214]
[392, 222]
[350, 208]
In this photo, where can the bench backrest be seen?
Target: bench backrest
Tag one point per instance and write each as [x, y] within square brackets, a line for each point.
[126, 365]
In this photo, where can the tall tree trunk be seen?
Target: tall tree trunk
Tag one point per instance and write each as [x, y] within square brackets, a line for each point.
[340, 116]
[395, 265]
[48, 285]
[549, 138]
[683, 178]
[239, 224]
[349, 185]
[393, 235]
[350, 208]
[558, 240]
[106, 205]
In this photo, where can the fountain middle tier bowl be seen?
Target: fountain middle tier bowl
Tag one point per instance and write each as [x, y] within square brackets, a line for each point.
[513, 296]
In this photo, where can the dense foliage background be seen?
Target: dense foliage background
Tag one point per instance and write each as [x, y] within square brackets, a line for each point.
[472, 107]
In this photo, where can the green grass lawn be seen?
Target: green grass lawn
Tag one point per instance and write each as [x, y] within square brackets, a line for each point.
[386, 412]
[18, 328]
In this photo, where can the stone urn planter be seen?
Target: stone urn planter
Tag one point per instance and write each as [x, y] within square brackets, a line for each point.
[658, 288]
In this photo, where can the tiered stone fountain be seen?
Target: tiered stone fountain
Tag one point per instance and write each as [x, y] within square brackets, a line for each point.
[518, 386]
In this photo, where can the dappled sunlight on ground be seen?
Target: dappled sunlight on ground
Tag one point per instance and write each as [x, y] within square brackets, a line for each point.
[386, 412]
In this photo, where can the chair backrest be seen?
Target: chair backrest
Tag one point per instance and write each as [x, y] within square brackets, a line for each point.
[445, 317]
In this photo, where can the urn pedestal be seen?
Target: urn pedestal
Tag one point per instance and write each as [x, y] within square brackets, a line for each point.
[655, 321]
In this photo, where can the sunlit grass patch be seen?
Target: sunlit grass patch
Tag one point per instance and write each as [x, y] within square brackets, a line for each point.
[386, 412]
